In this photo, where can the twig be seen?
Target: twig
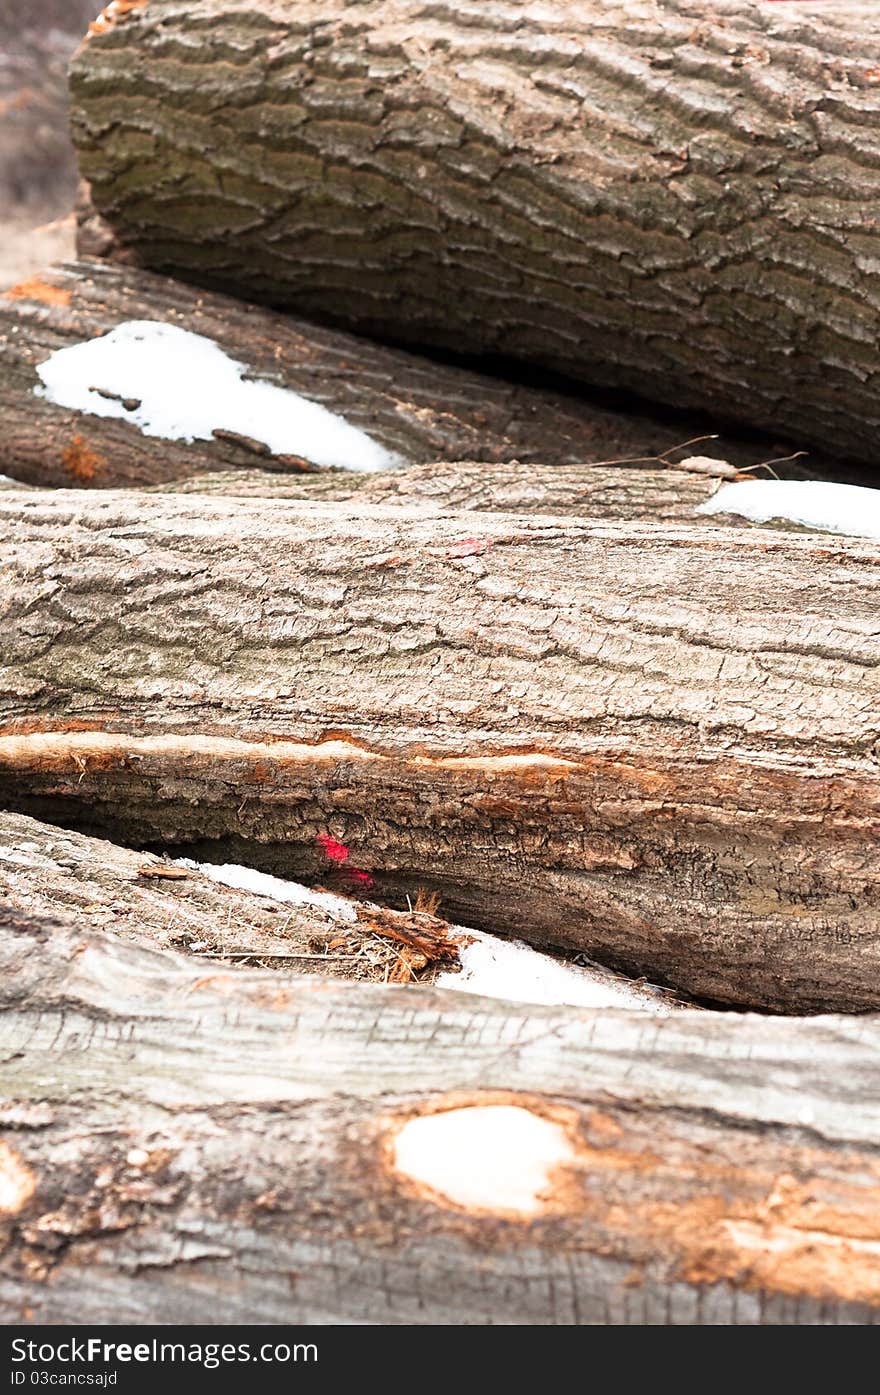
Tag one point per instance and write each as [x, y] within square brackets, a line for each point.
[260, 954]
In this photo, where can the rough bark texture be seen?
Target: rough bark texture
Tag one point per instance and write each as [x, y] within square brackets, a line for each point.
[182, 1147]
[588, 491]
[420, 409]
[656, 744]
[45, 871]
[661, 195]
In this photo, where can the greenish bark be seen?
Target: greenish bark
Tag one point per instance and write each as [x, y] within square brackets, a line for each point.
[664, 197]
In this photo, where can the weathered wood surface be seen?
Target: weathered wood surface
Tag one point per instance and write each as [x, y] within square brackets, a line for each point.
[663, 495]
[665, 196]
[46, 871]
[657, 744]
[332, 931]
[421, 410]
[188, 1147]
[37, 166]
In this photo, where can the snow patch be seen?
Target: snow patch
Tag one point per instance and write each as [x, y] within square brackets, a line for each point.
[514, 971]
[183, 387]
[484, 1157]
[262, 884]
[831, 508]
[490, 967]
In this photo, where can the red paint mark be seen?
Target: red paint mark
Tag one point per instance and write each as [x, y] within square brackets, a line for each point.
[356, 875]
[336, 852]
[469, 547]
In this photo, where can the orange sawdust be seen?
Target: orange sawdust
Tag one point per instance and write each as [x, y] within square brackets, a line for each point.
[36, 289]
[81, 462]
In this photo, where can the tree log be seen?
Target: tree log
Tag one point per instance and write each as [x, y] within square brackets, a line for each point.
[418, 409]
[663, 196]
[586, 491]
[182, 1147]
[654, 744]
[46, 871]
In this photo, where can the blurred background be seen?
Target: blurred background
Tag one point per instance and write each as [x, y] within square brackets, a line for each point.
[37, 167]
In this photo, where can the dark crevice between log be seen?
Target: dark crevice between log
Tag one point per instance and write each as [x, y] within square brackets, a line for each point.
[382, 888]
[797, 462]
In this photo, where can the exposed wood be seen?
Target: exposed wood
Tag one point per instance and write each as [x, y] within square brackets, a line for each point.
[189, 1147]
[419, 409]
[664, 196]
[657, 744]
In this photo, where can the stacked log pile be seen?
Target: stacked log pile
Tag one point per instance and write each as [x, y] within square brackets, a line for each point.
[445, 646]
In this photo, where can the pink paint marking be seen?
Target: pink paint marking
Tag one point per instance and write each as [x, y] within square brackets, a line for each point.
[354, 874]
[339, 854]
[336, 852]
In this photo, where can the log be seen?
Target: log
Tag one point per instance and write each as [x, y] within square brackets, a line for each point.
[149, 901]
[416, 409]
[218, 916]
[655, 744]
[663, 495]
[670, 492]
[238, 1147]
[663, 197]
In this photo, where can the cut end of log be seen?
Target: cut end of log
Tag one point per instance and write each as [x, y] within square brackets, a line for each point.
[490, 1159]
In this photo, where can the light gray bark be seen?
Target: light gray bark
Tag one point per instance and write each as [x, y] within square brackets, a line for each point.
[665, 196]
[657, 744]
[662, 495]
[182, 1147]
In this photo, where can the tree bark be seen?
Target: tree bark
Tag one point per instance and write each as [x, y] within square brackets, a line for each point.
[418, 409]
[654, 744]
[587, 491]
[662, 197]
[182, 1147]
[46, 871]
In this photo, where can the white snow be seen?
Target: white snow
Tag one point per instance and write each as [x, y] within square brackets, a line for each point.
[262, 884]
[514, 971]
[832, 508]
[485, 1157]
[186, 387]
